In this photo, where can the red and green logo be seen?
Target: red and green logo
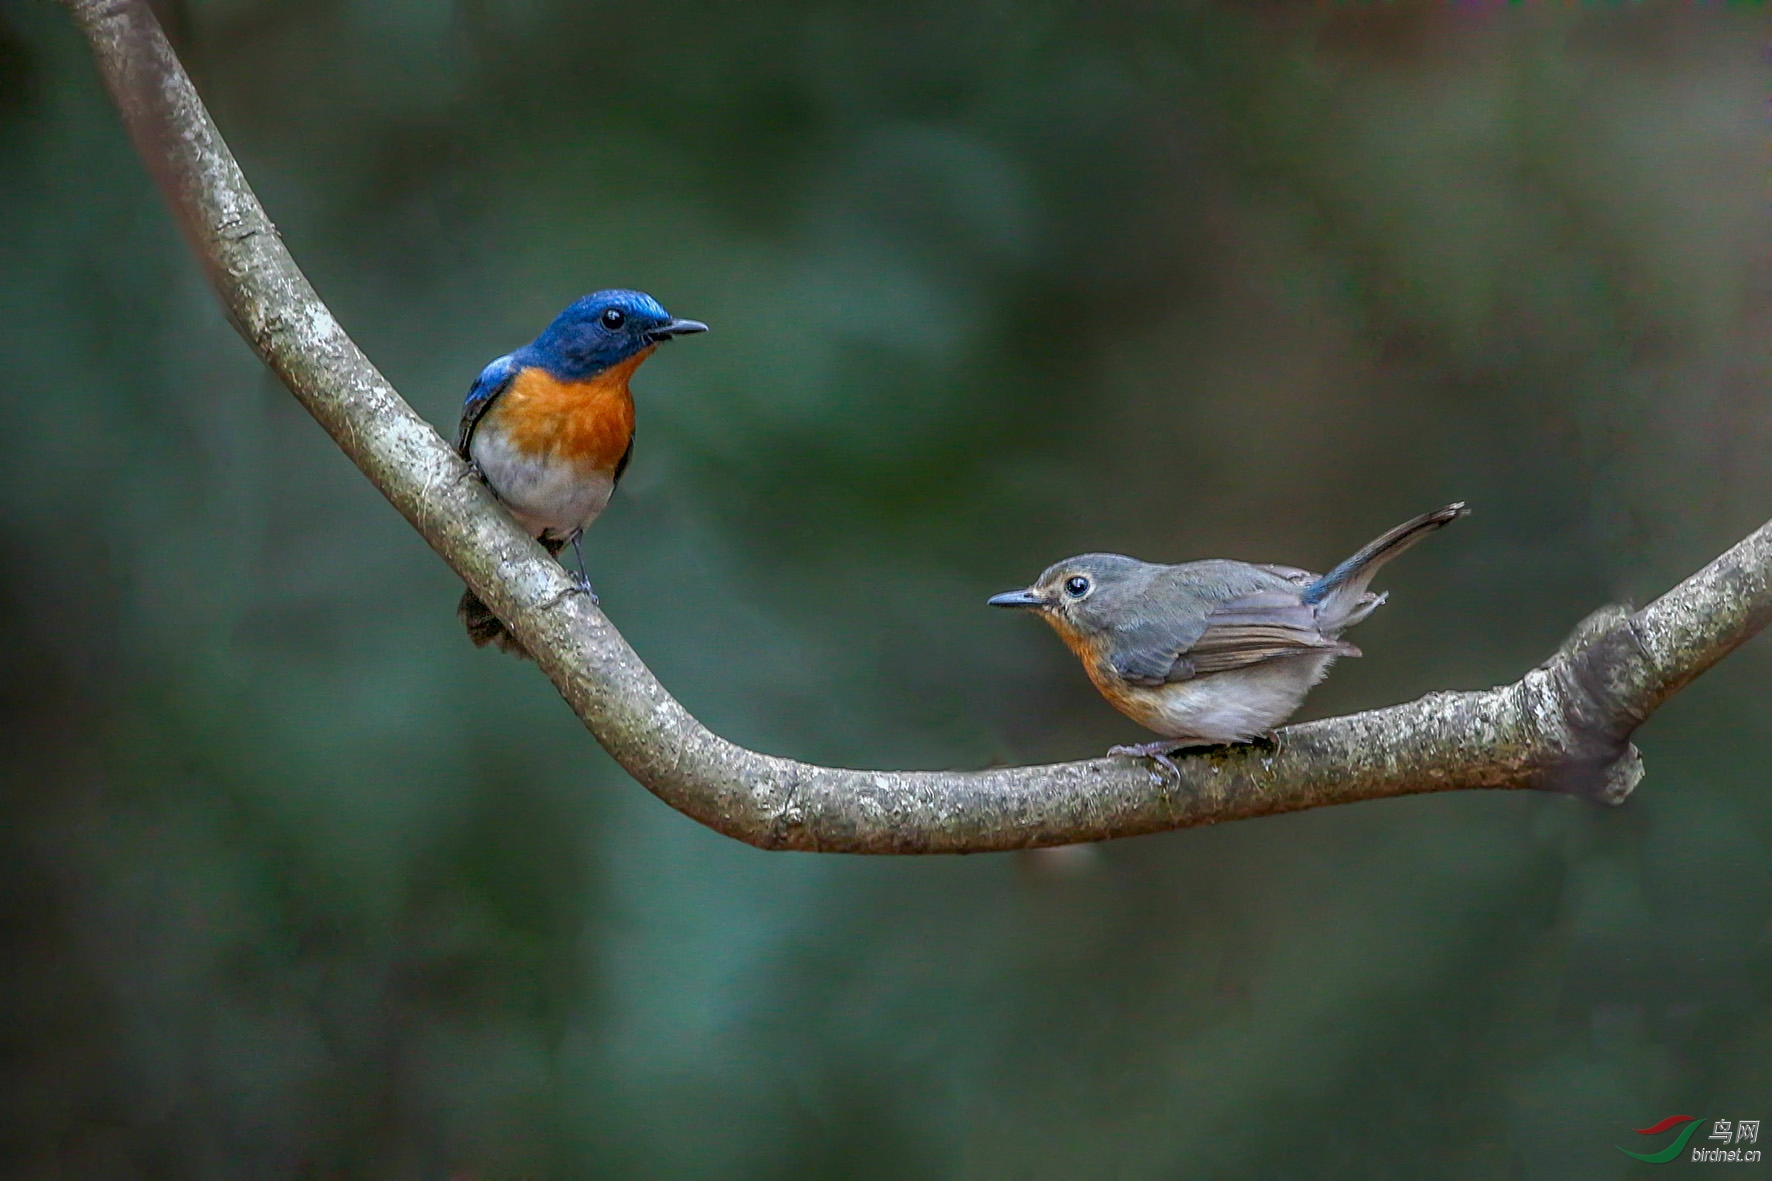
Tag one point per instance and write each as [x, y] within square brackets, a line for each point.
[1672, 1150]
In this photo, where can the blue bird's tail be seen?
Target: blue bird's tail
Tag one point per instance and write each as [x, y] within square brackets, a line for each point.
[486, 628]
[1340, 595]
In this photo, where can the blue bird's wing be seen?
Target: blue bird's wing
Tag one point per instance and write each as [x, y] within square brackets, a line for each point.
[622, 464]
[493, 381]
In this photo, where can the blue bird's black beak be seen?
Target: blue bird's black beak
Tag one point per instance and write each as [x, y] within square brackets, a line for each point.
[1020, 598]
[675, 328]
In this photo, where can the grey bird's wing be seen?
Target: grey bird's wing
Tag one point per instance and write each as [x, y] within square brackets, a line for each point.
[1266, 625]
[1243, 615]
[1154, 652]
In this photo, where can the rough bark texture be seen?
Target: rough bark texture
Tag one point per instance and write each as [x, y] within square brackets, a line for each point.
[1564, 726]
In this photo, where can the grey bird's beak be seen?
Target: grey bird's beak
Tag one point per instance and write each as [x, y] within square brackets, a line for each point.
[675, 328]
[1020, 598]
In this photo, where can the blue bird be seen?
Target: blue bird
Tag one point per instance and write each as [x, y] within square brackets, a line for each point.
[550, 427]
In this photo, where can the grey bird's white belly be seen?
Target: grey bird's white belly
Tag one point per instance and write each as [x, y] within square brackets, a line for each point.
[551, 497]
[1231, 706]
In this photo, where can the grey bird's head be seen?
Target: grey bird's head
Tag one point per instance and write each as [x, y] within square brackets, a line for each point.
[1086, 597]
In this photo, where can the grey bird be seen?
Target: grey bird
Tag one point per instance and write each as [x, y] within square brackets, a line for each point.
[1213, 652]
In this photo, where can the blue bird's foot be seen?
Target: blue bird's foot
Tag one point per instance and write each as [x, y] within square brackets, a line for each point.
[1156, 752]
[581, 581]
[582, 585]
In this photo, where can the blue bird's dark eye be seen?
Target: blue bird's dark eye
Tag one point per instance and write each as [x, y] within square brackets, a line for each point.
[613, 319]
[1076, 586]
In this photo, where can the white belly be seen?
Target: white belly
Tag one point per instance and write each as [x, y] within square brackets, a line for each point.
[555, 498]
[1232, 706]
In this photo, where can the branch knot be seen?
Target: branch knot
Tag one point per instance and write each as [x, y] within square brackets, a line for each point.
[1596, 679]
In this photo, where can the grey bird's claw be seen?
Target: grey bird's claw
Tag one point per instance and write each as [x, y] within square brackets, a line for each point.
[582, 585]
[1156, 752]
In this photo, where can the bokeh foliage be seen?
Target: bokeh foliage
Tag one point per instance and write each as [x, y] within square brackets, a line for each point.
[296, 883]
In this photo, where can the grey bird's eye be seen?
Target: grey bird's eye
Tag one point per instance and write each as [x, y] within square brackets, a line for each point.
[1076, 586]
[613, 319]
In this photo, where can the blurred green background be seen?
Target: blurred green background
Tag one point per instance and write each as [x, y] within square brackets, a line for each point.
[296, 883]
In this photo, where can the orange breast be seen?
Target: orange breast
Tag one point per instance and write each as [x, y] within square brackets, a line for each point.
[1092, 651]
[589, 422]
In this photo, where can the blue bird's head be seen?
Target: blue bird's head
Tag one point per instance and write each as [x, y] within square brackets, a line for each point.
[603, 329]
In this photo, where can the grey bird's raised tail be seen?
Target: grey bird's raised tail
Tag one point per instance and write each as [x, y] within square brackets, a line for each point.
[1340, 595]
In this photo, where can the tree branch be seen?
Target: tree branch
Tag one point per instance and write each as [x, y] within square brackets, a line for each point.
[1564, 726]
